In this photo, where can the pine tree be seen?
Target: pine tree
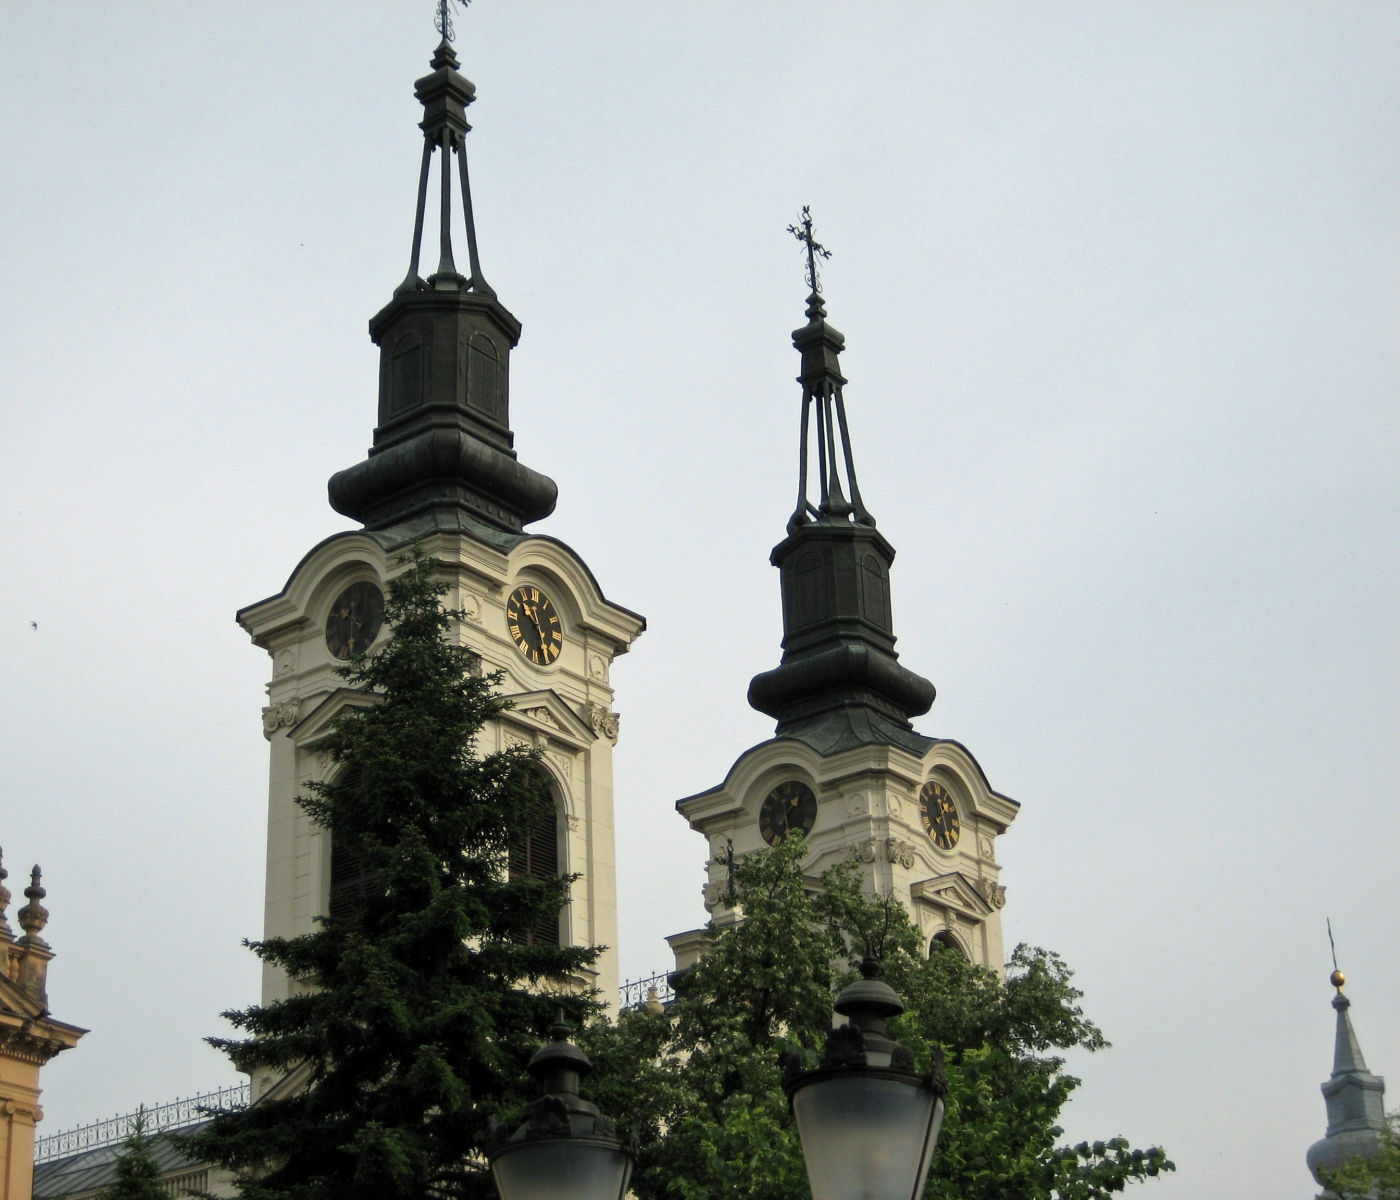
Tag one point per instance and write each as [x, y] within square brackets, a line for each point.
[416, 1005]
[703, 1081]
[138, 1173]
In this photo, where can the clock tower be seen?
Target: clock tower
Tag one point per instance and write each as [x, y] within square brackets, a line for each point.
[846, 766]
[443, 468]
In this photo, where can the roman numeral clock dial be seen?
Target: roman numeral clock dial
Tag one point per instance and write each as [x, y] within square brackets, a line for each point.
[534, 625]
[939, 814]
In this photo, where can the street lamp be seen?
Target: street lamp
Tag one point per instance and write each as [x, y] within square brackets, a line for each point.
[565, 1149]
[867, 1120]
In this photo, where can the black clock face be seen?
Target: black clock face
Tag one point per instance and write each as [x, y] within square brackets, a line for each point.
[789, 808]
[355, 620]
[940, 815]
[534, 625]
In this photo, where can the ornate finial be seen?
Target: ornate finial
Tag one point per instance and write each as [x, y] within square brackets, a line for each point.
[560, 1030]
[870, 965]
[815, 250]
[34, 916]
[1337, 979]
[443, 21]
[5, 931]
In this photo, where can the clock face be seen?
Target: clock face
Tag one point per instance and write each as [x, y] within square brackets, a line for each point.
[940, 815]
[355, 620]
[789, 808]
[534, 625]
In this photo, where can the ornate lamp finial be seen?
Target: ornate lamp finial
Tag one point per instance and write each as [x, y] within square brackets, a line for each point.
[34, 916]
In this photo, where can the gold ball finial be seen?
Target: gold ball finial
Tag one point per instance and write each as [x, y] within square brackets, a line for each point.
[1337, 979]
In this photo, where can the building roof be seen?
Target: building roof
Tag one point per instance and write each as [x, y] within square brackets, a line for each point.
[89, 1170]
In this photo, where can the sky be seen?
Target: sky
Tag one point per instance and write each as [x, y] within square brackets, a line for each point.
[1119, 287]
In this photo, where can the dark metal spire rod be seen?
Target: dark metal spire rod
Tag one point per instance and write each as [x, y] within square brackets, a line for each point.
[446, 266]
[445, 96]
[822, 390]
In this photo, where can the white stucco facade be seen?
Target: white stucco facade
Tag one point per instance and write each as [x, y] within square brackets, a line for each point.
[565, 708]
[868, 809]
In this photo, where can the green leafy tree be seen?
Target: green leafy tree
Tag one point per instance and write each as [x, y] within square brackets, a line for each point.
[703, 1081]
[138, 1173]
[413, 1012]
[1376, 1178]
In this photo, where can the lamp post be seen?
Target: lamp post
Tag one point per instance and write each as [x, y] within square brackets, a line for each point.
[565, 1149]
[867, 1120]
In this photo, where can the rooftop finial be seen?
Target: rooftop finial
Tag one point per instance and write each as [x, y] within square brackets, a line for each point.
[6, 933]
[443, 21]
[802, 231]
[34, 916]
[1337, 978]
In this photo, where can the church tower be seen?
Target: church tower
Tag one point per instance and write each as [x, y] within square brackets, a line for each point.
[443, 467]
[846, 766]
[1355, 1098]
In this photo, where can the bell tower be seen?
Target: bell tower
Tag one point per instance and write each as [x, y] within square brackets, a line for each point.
[845, 765]
[443, 467]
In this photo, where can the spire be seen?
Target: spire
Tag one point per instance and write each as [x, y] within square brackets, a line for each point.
[443, 454]
[839, 683]
[820, 345]
[1355, 1098]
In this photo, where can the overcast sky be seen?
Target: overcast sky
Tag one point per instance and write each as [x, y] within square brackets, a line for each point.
[1119, 282]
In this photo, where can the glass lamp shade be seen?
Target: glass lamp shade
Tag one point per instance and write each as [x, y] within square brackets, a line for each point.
[866, 1134]
[562, 1168]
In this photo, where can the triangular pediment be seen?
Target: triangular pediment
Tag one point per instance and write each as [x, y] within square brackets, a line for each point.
[953, 890]
[548, 712]
[16, 1002]
[310, 729]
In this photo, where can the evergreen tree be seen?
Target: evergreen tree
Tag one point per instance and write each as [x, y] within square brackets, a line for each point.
[138, 1173]
[703, 1081]
[414, 1009]
[1375, 1178]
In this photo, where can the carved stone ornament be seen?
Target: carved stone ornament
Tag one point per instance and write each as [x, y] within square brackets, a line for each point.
[993, 893]
[285, 663]
[987, 849]
[863, 851]
[602, 721]
[572, 822]
[276, 715]
[541, 714]
[901, 852]
[855, 804]
[597, 668]
[470, 604]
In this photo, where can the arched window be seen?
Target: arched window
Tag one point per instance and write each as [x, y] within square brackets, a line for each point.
[943, 940]
[349, 878]
[406, 374]
[535, 854]
[484, 376]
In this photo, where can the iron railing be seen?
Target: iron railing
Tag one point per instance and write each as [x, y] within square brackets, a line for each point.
[175, 1115]
[636, 992]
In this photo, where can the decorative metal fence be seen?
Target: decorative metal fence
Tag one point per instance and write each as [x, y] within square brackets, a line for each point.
[636, 992]
[175, 1115]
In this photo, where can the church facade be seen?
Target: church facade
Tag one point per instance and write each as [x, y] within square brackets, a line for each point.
[443, 469]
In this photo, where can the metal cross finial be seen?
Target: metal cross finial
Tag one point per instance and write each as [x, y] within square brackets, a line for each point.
[1331, 943]
[815, 250]
[443, 20]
